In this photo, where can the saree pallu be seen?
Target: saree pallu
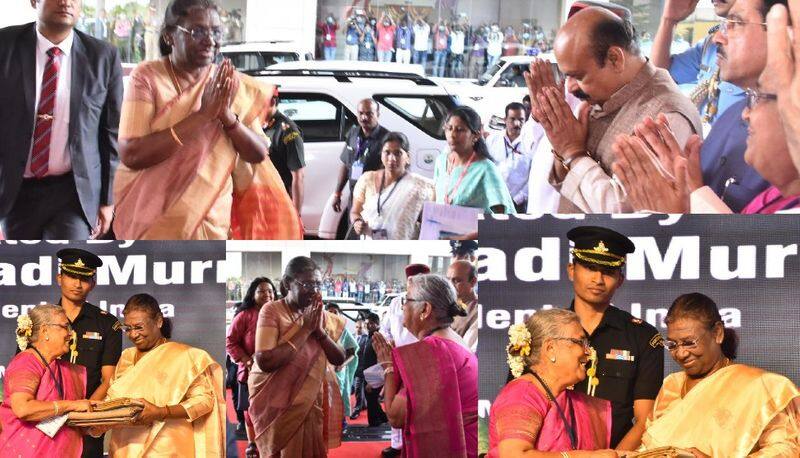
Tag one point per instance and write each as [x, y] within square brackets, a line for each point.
[27, 374]
[522, 412]
[439, 378]
[170, 374]
[204, 190]
[401, 203]
[296, 410]
[737, 411]
[345, 376]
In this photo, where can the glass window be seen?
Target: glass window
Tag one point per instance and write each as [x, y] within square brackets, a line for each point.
[321, 118]
[512, 76]
[427, 113]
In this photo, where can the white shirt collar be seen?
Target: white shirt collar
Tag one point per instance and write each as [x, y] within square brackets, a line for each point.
[43, 44]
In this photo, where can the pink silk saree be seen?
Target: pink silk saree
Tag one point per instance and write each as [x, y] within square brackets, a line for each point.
[439, 378]
[522, 412]
[27, 374]
[203, 191]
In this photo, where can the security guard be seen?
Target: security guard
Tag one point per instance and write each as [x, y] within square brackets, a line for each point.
[629, 364]
[286, 152]
[97, 342]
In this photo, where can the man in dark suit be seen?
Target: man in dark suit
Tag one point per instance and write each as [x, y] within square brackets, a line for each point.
[60, 98]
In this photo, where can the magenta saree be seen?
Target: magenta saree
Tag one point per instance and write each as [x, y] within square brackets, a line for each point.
[27, 374]
[522, 412]
[439, 378]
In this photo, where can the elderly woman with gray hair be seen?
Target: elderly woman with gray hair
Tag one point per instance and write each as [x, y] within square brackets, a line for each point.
[534, 415]
[431, 387]
[38, 386]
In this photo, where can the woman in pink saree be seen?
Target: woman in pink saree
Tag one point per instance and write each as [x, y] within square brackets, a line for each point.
[535, 412]
[295, 402]
[38, 386]
[194, 156]
[431, 386]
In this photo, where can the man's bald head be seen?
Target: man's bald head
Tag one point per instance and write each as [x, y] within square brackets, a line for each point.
[596, 30]
[462, 275]
[597, 52]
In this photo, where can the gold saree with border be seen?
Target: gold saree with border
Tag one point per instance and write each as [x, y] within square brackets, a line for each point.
[205, 190]
[170, 374]
[735, 412]
[297, 410]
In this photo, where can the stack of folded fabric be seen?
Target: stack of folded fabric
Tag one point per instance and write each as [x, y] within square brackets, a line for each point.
[660, 452]
[109, 413]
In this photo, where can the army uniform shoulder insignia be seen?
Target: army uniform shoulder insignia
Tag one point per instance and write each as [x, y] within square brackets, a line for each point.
[103, 312]
[285, 126]
[116, 326]
[657, 341]
[636, 321]
[290, 137]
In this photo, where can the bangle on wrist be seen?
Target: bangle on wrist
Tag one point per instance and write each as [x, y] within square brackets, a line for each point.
[289, 342]
[55, 405]
[175, 136]
[232, 125]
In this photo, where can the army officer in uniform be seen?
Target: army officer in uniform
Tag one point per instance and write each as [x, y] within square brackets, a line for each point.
[286, 152]
[98, 334]
[630, 356]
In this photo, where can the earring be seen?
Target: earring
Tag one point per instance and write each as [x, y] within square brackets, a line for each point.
[46, 338]
[552, 359]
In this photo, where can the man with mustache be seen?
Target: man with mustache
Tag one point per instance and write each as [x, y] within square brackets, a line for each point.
[512, 155]
[61, 92]
[98, 339]
[695, 69]
[630, 357]
[598, 54]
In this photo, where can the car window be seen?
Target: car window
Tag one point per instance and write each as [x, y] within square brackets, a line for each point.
[490, 73]
[272, 57]
[426, 112]
[512, 76]
[320, 117]
[245, 61]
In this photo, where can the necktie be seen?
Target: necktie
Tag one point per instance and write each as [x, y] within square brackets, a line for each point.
[40, 152]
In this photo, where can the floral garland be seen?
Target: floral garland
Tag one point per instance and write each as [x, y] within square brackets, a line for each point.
[519, 346]
[24, 331]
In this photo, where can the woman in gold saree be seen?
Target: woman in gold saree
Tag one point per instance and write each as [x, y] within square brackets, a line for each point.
[194, 157]
[715, 407]
[181, 387]
[295, 403]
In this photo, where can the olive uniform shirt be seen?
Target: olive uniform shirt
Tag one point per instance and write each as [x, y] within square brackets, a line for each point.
[630, 365]
[286, 150]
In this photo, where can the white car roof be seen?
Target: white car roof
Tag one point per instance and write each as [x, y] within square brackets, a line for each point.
[351, 65]
[275, 46]
[526, 59]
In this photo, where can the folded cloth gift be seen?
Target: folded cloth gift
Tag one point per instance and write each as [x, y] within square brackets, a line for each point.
[109, 413]
[660, 452]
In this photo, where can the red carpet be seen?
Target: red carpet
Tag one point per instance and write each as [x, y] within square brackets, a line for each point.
[346, 450]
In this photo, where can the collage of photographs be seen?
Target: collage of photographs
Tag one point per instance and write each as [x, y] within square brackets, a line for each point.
[399, 228]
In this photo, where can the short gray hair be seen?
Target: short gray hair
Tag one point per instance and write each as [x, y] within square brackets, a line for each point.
[547, 324]
[440, 293]
[41, 315]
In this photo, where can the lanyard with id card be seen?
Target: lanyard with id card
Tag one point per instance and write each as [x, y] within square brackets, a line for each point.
[362, 149]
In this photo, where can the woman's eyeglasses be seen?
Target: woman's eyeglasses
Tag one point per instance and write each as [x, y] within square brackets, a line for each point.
[584, 342]
[688, 344]
[65, 327]
[198, 33]
[310, 286]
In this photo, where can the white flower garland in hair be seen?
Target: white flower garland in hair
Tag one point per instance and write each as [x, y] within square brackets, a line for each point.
[519, 346]
[24, 331]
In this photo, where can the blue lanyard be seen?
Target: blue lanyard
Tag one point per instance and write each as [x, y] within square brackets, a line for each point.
[514, 149]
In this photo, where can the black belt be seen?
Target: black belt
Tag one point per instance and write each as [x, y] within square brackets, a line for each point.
[47, 180]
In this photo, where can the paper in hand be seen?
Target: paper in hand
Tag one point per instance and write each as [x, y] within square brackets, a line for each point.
[50, 426]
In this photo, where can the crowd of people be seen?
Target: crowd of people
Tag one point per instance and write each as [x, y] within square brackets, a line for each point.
[621, 403]
[448, 48]
[70, 359]
[390, 364]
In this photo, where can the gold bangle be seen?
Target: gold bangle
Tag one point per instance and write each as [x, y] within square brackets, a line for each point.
[55, 404]
[175, 136]
[291, 345]
[564, 455]
[388, 370]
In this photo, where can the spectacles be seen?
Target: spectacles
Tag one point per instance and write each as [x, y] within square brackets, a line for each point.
[753, 97]
[688, 344]
[584, 342]
[728, 25]
[198, 33]
[404, 299]
[129, 329]
[310, 286]
[65, 327]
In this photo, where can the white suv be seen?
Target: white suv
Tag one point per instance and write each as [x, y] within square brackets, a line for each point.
[323, 104]
[258, 55]
[500, 85]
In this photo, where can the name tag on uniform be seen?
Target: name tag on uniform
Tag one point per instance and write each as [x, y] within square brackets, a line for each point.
[356, 171]
[619, 355]
[92, 336]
